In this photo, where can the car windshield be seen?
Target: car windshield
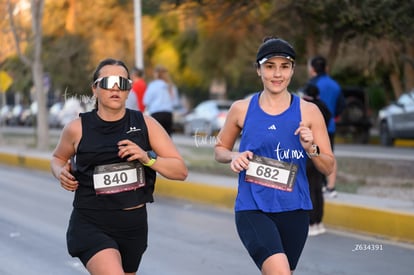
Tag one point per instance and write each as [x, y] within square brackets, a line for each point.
[406, 99]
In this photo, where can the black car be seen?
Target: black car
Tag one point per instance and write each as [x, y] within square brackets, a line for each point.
[354, 122]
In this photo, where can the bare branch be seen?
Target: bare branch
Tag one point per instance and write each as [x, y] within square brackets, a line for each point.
[24, 58]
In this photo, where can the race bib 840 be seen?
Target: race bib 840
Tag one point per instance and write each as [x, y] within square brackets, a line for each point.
[118, 177]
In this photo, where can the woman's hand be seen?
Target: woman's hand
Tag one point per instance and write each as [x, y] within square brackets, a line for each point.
[305, 136]
[67, 180]
[240, 161]
[131, 151]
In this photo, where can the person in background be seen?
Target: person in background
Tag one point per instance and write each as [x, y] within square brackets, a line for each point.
[109, 158]
[131, 102]
[315, 178]
[160, 98]
[135, 99]
[279, 133]
[331, 95]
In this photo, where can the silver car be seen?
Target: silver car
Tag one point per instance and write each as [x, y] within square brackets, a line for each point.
[207, 118]
[5, 115]
[396, 121]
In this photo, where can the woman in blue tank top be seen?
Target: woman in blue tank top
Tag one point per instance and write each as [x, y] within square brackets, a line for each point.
[279, 132]
[109, 157]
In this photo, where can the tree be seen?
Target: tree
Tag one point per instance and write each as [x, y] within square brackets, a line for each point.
[212, 41]
[36, 65]
[375, 35]
[203, 41]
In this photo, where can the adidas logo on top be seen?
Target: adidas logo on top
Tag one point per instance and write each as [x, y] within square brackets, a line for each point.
[272, 127]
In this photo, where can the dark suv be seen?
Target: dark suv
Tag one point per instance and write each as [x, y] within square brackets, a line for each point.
[354, 122]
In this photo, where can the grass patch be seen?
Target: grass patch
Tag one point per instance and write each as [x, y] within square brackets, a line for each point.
[348, 187]
[201, 159]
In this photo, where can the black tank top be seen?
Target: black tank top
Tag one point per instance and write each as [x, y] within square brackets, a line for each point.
[98, 146]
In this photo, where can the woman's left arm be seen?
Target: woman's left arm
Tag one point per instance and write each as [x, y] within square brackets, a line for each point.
[312, 132]
[169, 163]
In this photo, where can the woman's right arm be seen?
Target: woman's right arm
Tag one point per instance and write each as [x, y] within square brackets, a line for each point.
[223, 150]
[65, 149]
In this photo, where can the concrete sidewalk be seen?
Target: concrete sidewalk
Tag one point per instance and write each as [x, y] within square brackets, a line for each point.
[382, 217]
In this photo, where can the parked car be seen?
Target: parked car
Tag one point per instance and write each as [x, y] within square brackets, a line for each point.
[354, 121]
[54, 115]
[179, 114]
[396, 121]
[28, 116]
[17, 111]
[5, 115]
[207, 118]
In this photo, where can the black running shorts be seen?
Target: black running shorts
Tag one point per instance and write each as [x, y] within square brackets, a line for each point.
[91, 231]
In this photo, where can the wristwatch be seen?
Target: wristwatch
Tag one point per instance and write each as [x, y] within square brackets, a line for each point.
[314, 152]
[152, 158]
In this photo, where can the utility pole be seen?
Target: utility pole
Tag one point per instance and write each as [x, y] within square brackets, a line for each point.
[139, 57]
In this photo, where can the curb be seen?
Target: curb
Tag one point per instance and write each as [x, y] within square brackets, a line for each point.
[398, 226]
[394, 225]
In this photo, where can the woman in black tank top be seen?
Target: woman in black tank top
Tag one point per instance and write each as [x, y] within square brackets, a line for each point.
[109, 158]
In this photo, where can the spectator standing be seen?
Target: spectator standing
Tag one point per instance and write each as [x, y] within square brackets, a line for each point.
[315, 178]
[131, 102]
[160, 98]
[331, 94]
[279, 132]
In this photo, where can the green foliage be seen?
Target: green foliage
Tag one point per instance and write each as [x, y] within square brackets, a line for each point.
[217, 39]
[21, 74]
[376, 96]
[166, 54]
[66, 59]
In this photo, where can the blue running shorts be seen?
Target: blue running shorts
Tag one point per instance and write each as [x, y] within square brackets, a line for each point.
[265, 234]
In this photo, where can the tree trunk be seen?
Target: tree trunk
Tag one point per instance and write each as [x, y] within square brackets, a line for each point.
[311, 45]
[409, 67]
[396, 84]
[334, 48]
[37, 71]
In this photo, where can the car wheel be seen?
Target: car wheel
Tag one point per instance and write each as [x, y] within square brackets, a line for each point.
[385, 136]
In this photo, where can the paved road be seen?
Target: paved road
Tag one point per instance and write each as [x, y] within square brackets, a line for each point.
[185, 239]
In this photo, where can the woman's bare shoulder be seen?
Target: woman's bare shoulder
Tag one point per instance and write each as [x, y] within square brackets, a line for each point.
[73, 128]
[240, 105]
[307, 106]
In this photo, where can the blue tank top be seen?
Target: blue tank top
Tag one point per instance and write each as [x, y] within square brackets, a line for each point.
[98, 146]
[272, 136]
